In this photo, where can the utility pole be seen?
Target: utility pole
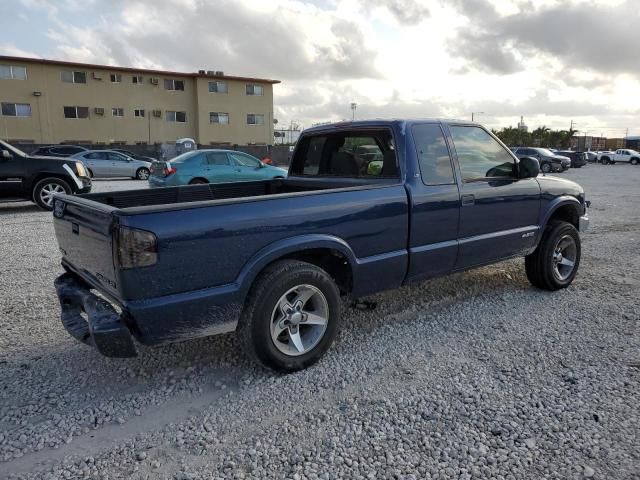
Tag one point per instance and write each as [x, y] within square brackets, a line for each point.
[354, 106]
[571, 127]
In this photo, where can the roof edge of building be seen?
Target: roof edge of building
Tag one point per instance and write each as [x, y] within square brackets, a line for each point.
[44, 61]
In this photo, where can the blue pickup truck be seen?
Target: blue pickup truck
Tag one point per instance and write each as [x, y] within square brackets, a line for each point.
[367, 206]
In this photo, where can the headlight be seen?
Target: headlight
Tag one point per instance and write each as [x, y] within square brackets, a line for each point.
[81, 170]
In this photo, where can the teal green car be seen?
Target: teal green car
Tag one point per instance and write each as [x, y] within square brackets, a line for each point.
[211, 166]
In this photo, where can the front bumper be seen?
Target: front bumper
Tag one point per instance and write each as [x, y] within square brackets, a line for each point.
[100, 327]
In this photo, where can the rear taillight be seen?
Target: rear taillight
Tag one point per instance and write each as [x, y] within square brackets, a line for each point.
[136, 248]
[169, 171]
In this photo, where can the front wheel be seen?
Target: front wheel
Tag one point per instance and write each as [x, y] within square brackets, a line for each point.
[634, 161]
[45, 189]
[545, 167]
[142, 173]
[291, 317]
[554, 264]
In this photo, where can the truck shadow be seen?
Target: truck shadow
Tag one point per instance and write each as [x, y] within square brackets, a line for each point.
[19, 207]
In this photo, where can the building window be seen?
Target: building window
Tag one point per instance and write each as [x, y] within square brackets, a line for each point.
[117, 112]
[13, 72]
[137, 79]
[218, 87]
[255, 90]
[216, 117]
[138, 112]
[16, 109]
[116, 78]
[69, 76]
[180, 117]
[255, 119]
[170, 84]
[76, 112]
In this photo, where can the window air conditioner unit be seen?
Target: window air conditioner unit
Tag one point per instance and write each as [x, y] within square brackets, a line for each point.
[154, 81]
[98, 111]
[157, 113]
[96, 76]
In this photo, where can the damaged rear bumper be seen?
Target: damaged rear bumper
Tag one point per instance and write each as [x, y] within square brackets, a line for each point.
[92, 320]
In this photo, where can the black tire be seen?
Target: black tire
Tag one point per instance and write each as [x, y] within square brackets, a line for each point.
[635, 161]
[255, 325]
[540, 265]
[143, 173]
[546, 167]
[605, 160]
[43, 199]
[198, 181]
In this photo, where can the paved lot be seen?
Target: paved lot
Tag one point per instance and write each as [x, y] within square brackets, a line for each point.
[476, 375]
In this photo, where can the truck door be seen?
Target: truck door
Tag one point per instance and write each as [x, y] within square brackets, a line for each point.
[498, 211]
[435, 204]
[12, 172]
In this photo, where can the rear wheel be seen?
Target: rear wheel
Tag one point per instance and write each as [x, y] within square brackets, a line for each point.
[554, 264]
[45, 189]
[291, 317]
[605, 160]
[198, 181]
[545, 167]
[142, 173]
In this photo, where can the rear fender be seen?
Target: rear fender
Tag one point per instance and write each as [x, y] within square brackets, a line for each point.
[288, 246]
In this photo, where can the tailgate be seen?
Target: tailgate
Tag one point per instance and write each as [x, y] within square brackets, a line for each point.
[84, 232]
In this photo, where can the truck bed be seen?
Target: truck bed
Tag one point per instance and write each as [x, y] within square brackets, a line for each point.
[178, 196]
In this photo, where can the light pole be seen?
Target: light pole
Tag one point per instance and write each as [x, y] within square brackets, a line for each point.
[354, 106]
[473, 114]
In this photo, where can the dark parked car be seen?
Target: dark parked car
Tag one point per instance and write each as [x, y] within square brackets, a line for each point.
[38, 179]
[135, 156]
[58, 150]
[578, 159]
[271, 258]
[549, 161]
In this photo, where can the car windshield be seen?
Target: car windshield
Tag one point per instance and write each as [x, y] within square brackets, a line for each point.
[12, 148]
[184, 157]
[545, 151]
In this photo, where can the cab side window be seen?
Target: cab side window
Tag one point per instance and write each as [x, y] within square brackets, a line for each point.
[480, 156]
[433, 154]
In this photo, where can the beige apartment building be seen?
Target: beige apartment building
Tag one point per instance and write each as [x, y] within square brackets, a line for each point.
[50, 101]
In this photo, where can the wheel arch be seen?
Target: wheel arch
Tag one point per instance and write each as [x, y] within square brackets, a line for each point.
[42, 175]
[330, 253]
[566, 208]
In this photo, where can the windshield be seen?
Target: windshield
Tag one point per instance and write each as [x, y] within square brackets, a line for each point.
[546, 152]
[184, 157]
[4, 144]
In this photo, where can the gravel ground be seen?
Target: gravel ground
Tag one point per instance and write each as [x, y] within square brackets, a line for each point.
[476, 375]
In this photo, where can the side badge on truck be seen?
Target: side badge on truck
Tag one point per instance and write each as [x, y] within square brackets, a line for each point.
[58, 208]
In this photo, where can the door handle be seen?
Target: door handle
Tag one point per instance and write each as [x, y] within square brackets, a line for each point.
[468, 200]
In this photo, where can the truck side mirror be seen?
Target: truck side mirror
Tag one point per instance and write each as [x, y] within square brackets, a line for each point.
[528, 167]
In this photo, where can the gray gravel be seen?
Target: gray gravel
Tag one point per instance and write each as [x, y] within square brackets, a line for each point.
[476, 375]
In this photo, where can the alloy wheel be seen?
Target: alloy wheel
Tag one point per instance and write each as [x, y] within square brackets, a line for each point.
[564, 257]
[299, 320]
[47, 192]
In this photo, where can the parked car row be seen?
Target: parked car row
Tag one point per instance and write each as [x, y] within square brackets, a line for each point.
[548, 160]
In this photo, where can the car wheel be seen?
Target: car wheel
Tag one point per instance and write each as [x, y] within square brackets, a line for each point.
[198, 181]
[634, 161]
[291, 316]
[554, 264]
[45, 189]
[142, 173]
[605, 160]
[545, 167]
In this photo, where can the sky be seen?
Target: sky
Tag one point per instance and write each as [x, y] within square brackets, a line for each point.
[552, 61]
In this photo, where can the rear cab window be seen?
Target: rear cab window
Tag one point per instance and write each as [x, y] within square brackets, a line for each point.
[433, 154]
[366, 153]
